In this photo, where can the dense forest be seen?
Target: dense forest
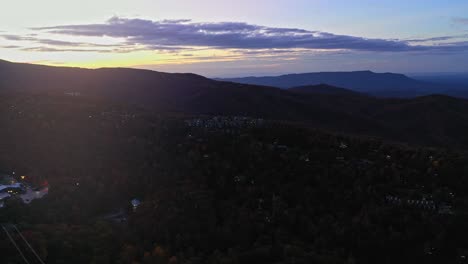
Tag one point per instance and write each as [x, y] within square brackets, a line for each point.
[222, 189]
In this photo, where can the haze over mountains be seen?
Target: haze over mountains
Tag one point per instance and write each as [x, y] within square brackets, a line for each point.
[444, 78]
[434, 119]
[377, 84]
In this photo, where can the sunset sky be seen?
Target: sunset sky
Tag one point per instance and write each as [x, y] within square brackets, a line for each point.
[236, 38]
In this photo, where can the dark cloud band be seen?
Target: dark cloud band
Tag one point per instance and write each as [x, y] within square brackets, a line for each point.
[229, 35]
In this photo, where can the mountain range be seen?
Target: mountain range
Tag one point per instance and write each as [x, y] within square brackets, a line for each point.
[377, 84]
[434, 119]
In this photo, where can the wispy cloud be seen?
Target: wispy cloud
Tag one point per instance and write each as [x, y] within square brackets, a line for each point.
[17, 37]
[61, 43]
[10, 47]
[53, 42]
[461, 20]
[38, 44]
[437, 39]
[48, 49]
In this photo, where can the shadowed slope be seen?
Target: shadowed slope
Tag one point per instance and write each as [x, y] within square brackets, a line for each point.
[434, 119]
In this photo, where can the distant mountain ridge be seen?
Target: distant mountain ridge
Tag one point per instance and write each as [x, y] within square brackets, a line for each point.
[324, 89]
[377, 84]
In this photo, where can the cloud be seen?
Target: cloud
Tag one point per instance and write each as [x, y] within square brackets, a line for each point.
[17, 37]
[183, 35]
[54, 45]
[48, 49]
[228, 35]
[53, 42]
[10, 47]
[461, 20]
[436, 39]
[80, 49]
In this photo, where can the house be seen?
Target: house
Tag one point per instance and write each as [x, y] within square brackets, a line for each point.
[6, 191]
[135, 203]
[11, 187]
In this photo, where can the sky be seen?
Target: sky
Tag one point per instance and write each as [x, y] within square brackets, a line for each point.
[221, 38]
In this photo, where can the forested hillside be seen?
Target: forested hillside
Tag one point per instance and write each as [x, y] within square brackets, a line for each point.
[223, 189]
